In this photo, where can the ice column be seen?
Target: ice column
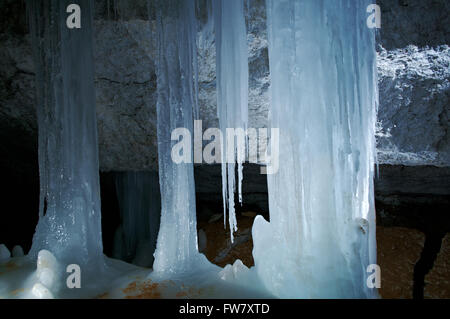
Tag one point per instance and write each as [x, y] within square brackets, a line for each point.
[140, 209]
[176, 42]
[69, 215]
[232, 96]
[321, 235]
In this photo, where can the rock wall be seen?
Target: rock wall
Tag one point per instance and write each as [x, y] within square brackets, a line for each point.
[413, 77]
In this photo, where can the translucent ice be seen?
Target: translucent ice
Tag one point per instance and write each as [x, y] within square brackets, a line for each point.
[177, 249]
[232, 95]
[48, 275]
[69, 216]
[39, 291]
[321, 235]
[234, 272]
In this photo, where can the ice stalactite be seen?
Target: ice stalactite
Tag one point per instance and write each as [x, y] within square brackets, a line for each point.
[69, 214]
[232, 96]
[321, 235]
[140, 209]
[176, 42]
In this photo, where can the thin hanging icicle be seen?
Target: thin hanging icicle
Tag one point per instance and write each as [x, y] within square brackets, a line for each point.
[69, 218]
[176, 38]
[232, 96]
[321, 235]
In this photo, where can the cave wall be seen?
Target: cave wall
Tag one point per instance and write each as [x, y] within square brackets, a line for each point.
[413, 69]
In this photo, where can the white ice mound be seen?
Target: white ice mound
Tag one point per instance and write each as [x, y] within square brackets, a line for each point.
[41, 292]
[47, 271]
[46, 260]
[234, 272]
[4, 253]
[17, 251]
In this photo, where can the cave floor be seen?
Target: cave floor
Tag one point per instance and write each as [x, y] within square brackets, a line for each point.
[398, 249]
[125, 281]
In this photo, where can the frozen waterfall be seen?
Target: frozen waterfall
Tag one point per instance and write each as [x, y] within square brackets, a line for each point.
[176, 42]
[69, 217]
[321, 235]
[232, 96]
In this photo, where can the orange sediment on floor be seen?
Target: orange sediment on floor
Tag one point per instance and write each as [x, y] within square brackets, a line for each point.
[143, 290]
[104, 295]
[191, 292]
[9, 266]
[17, 291]
[153, 290]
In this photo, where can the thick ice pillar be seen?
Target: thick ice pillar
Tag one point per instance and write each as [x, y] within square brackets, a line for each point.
[140, 210]
[176, 42]
[321, 235]
[232, 95]
[69, 217]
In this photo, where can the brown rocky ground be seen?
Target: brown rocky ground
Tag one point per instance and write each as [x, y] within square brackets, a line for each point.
[398, 251]
[219, 249]
[437, 282]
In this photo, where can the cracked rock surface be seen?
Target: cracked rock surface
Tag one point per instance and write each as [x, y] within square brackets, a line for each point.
[414, 115]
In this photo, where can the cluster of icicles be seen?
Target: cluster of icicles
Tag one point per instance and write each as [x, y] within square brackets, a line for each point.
[321, 234]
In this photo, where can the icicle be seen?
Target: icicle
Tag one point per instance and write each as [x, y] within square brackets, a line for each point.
[321, 235]
[140, 209]
[69, 224]
[232, 95]
[176, 36]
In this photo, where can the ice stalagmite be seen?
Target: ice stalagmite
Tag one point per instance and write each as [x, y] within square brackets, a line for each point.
[176, 42]
[140, 208]
[321, 235]
[232, 95]
[69, 218]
